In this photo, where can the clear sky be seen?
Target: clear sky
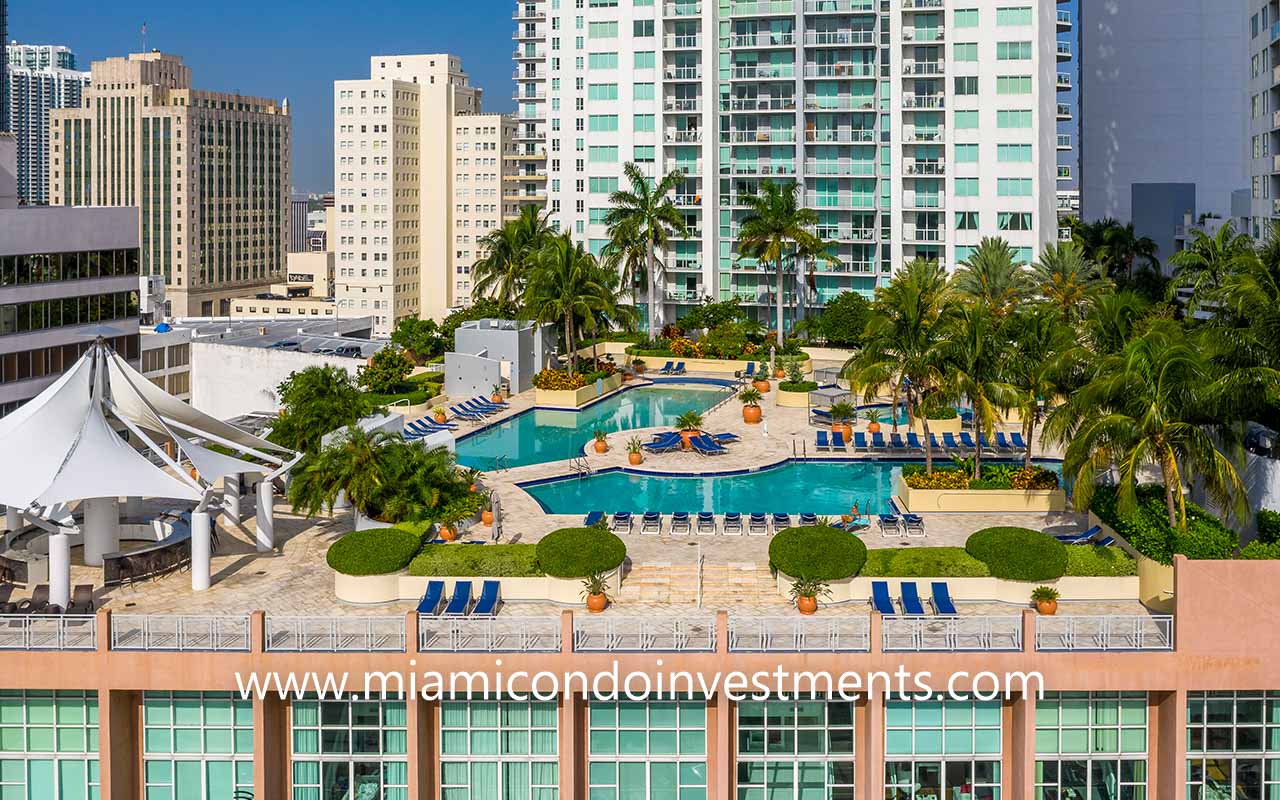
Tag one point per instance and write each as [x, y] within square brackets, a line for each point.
[284, 48]
[288, 48]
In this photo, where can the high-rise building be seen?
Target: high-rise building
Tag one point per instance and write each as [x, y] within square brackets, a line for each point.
[419, 174]
[209, 170]
[1162, 115]
[913, 128]
[298, 207]
[4, 65]
[1263, 112]
[41, 78]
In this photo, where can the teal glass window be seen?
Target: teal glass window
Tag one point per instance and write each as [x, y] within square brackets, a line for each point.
[651, 749]
[602, 154]
[602, 123]
[1014, 187]
[942, 727]
[966, 51]
[966, 221]
[644, 153]
[966, 153]
[352, 746]
[499, 748]
[49, 745]
[1091, 744]
[644, 123]
[602, 60]
[1014, 220]
[966, 187]
[1013, 84]
[797, 749]
[1017, 15]
[1013, 153]
[644, 59]
[966, 17]
[1013, 51]
[602, 91]
[1019, 118]
[602, 30]
[966, 120]
[602, 185]
[642, 91]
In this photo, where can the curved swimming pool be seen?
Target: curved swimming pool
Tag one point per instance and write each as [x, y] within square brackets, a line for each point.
[541, 435]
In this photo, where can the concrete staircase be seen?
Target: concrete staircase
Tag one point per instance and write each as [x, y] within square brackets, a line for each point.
[723, 585]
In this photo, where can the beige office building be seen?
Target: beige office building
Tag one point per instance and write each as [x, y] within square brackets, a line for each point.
[210, 172]
[419, 174]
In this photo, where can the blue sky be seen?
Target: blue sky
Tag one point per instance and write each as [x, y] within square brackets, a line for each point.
[286, 48]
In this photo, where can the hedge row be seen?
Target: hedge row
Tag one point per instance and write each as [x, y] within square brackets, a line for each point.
[1099, 562]
[923, 562]
[490, 561]
[1148, 529]
[374, 552]
[1019, 554]
[579, 552]
[824, 554]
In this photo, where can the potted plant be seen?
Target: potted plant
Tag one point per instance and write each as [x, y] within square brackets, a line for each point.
[806, 591]
[1046, 600]
[440, 414]
[602, 442]
[496, 397]
[595, 590]
[486, 516]
[841, 413]
[779, 371]
[873, 420]
[751, 413]
[689, 424]
[638, 366]
[761, 381]
[472, 477]
[635, 451]
[449, 518]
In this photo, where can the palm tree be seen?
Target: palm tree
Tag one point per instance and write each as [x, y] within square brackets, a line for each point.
[1121, 246]
[1041, 343]
[627, 253]
[1112, 320]
[612, 312]
[904, 348]
[645, 213]
[563, 287]
[1205, 264]
[775, 224]
[1066, 279]
[1152, 404]
[992, 275]
[976, 355]
[350, 465]
[509, 251]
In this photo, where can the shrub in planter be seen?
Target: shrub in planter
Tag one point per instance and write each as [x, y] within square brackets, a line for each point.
[750, 397]
[579, 552]
[491, 561]
[1019, 554]
[1046, 600]
[555, 380]
[805, 593]
[374, 552]
[1033, 477]
[798, 386]
[922, 562]
[1099, 562]
[915, 477]
[817, 553]
[595, 592]
[1268, 523]
[940, 413]
[1147, 526]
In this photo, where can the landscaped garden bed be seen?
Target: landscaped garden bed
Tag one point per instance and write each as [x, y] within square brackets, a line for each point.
[563, 388]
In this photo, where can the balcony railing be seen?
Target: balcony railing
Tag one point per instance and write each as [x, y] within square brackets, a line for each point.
[927, 202]
[757, 8]
[841, 6]
[839, 135]
[682, 104]
[846, 233]
[921, 5]
[926, 135]
[840, 166]
[839, 200]
[926, 101]
[758, 104]
[681, 9]
[758, 136]
[952, 634]
[762, 39]
[1064, 51]
[687, 167]
[489, 635]
[521, 54]
[763, 72]
[926, 168]
[742, 167]
[847, 69]
[923, 34]
[683, 73]
[48, 632]
[1064, 111]
[1064, 80]
[913, 234]
[528, 14]
[851, 634]
[334, 634]
[180, 633]
[668, 633]
[1118, 632]
[1064, 21]
[813, 102]
[684, 295]
[531, 75]
[677, 136]
[840, 38]
[682, 41]
[924, 68]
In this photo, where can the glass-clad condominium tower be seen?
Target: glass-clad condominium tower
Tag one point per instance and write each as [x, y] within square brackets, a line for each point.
[914, 127]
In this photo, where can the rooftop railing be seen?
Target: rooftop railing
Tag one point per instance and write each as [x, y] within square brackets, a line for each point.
[48, 632]
[666, 633]
[952, 634]
[799, 634]
[166, 632]
[334, 634]
[1111, 632]
[489, 635]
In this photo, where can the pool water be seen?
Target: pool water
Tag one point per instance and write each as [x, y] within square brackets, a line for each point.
[542, 435]
[827, 488]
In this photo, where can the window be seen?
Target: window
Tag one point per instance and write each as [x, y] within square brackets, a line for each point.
[602, 60]
[966, 153]
[644, 123]
[966, 51]
[1015, 221]
[1020, 15]
[642, 91]
[604, 91]
[602, 185]
[796, 749]
[966, 119]
[966, 187]
[193, 741]
[48, 744]
[498, 749]
[1013, 119]
[966, 220]
[967, 85]
[1013, 51]
[649, 749]
[348, 747]
[1013, 187]
[1013, 153]
[602, 30]
[642, 28]
[966, 17]
[597, 154]
[942, 748]
[644, 59]
[598, 123]
[1013, 84]
[644, 153]
[1091, 744]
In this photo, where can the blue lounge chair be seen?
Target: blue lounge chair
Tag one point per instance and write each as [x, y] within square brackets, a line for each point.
[706, 522]
[490, 599]
[707, 446]
[651, 522]
[913, 524]
[949, 441]
[896, 442]
[431, 598]
[838, 442]
[781, 522]
[679, 370]
[1003, 443]
[821, 415]
[749, 372]
[880, 600]
[877, 442]
[480, 402]
[458, 411]
[934, 444]
[483, 411]
[967, 440]
[1079, 538]
[821, 443]
[985, 442]
[1107, 542]
[913, 443]
[593, 518]
[910, 597]
[726, 438]
[942, 598]
[460, 602]
[888, 524]
[680, 524]
[664, 443]
[1016, 440]
[860, 441]
[732, 523]
[666, 369]
[489, 400]
[808, 519]
[758, 525]
[621, 521]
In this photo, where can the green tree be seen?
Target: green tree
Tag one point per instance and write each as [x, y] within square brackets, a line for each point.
[1207, 262]
[1123, 247]
[843, 321]
[315, 401]
[975, 357]
[711, 314]
[563, 287]
[775, 227]
[992, 275]
[509, 251]
[1040, 344]
[422, 338]
[1067, 280]
[644, 212]
[809, 252]
[386, 372]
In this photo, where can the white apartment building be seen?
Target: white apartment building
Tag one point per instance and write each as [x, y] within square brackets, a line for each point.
[1264, 115]
[41, 78]
[420, 175]
[914, 127]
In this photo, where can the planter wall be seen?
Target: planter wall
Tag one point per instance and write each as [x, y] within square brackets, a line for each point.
[363, 523]
[982, 589]
[1155, 580]
[575, 398]
[791, 399]
[828, 353]
[918, 501]
[400, 586]
[937, 426]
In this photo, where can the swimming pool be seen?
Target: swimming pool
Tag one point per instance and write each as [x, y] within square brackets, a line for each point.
[795, 487]
[542, 435]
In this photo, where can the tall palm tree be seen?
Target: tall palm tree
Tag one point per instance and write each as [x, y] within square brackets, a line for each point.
[1041, 345]
[612, 311]
[509, 251]
[809, 253]
[905, 337]
[976, 358]
[1066, 279]
[1206, 263]
[775, 226]
[992, 275]
[1122, 246]
[1112, 320]
[646, 213]
[627, 253]
[563, 287]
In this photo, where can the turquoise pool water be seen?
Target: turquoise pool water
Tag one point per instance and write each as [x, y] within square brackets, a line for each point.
[538, 436]
[796, 487]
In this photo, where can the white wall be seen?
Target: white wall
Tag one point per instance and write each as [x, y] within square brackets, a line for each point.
[227, 380]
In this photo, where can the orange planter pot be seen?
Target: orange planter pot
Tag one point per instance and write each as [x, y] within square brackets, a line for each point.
[441, 418]
[448, 534]
[486, 517]
[1047, 607]
[762, 386]
[752, 415]
[873, 427]
[635, 459]
[597, 603]
[779, 373]
[844, 429]
[806, 605]
[495, 397]
[602, 447]
[686, 437]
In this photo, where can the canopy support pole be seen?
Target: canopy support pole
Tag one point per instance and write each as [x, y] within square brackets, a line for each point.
[201, 551]
[266, 537]
[60, 570]
[101, 529]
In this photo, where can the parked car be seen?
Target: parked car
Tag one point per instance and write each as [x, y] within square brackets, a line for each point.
[292, 346]
[349, 351]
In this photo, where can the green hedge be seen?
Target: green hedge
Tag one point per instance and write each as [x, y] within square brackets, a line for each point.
[922, 562]
[1019, 554]
[374, 552]
[1148, 529]
[1261, 551]
[489, 561]
[579, 552]
[798, 386]
[1087, 561]
[824, 554]
[1268, 522]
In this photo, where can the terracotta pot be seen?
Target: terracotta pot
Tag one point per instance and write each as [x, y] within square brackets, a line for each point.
[779, 373]
[626, 376]
[495, 397]
[442, 418]
[602, 447]
[486, 517]
[1047, 607]
[635, 459]
[639, 369]
[806, 605]
[448, 533]
[844, 429]
[762, 385]
[873, 427]
[686, 437]
[596, 603]
[752, 415]
[474, 488]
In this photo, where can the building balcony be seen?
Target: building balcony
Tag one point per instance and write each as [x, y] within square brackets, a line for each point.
[845, 70]
[758, 104]
[813, 102]
[1275, 119]
[536, 94]
[912, 135]
[1064, 234]
[760, 40]
[688, 200]
[530, 136]
[917, 35]
[1064, 51]
[763, 72]
[923, 101]
[681, 9]
[936, 68]
[910, 233]
[761, 136]
[826, 200]
[528, 34]
[530, 54]
[923, 202]
[529, 13]
[839, 135]
[524, 195]
[842, 167]
[913, 169]
[1064, 141]
[846, 233]
[1064, 112]
[1064, 81]
[524, 177]
[922, 5]
[682, 104]
[529, 75]
[539, 154]
[1064, 173]
[841, 6]
[743, 167]
[1064, 21]
[684, 295]
[689, 41]
[674, 136]
[687, 167]
[1275, 163]
[841, 38]
[683, 73]
[762, 8]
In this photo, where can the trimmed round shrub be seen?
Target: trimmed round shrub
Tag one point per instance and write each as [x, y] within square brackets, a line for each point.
[1019, 554]
[823, 554]
[374, 552]
[1099, 562]
[580, 552]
